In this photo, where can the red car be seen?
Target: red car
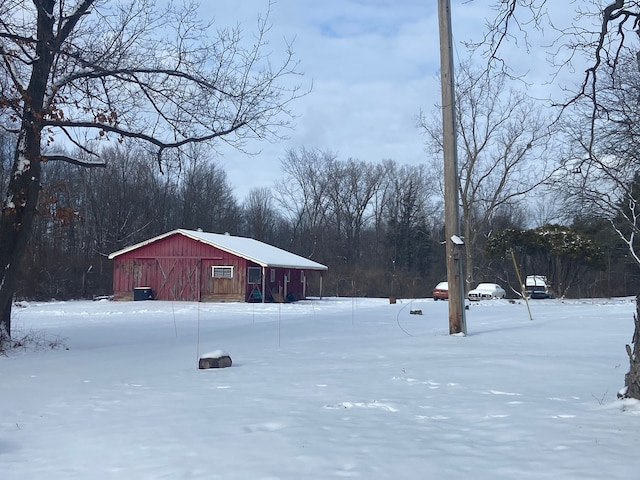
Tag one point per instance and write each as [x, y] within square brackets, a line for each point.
[441, 291]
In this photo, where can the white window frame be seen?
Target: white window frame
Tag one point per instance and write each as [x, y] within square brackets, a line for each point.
[273, 275]
[222, 271]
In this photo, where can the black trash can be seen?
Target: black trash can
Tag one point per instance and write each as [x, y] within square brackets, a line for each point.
[142, 293]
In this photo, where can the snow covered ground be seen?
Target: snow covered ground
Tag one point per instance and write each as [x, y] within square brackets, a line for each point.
[320, 389]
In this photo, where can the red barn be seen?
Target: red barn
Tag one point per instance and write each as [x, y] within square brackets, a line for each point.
[200, 266]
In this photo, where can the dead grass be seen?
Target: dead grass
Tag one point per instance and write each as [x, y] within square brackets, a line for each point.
[31, 340]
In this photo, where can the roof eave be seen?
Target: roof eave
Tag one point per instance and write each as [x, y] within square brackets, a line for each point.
[142, 244]
[187, 233]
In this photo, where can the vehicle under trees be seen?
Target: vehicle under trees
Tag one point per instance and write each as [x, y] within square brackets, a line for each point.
[604, 37]
[75, 72]
[557, 252]
[504, 152]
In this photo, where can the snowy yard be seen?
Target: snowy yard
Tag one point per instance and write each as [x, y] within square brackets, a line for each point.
[320, 389]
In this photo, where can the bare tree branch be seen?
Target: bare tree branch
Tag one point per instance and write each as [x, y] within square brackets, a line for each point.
[504, 144]
[135, 69]
[73, 161]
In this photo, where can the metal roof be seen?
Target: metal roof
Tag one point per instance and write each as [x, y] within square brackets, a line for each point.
[258, 252]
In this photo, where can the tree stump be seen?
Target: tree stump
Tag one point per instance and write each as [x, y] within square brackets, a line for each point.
[632, 378]
[215, 359]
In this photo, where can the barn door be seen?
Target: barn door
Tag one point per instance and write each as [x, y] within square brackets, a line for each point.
[178, 279]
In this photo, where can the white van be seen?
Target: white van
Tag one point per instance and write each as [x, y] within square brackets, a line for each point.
[536, 286]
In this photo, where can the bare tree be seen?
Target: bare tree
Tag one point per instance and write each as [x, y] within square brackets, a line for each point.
[504, 150]
[408, 205]
[351, 187]
[303, 196]
[92, 69]
[591, 40]
[206, 197]
[117, 202]
[260, 215]
[603, 175]
[604, 47]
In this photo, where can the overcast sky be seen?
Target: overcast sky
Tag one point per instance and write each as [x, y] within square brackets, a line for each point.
[373, 65]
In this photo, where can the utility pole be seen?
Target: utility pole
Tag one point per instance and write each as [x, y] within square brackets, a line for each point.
[454, 242]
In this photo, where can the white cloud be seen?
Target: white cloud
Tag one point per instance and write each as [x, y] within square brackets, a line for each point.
[374, 67]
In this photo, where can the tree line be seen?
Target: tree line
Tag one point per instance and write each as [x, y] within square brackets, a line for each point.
[90, 72]
[377, 226]
[143, 115]
[372, 224]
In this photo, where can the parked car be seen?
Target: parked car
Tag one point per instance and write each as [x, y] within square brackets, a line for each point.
[486, 291]
[536, 286]
[441, 291]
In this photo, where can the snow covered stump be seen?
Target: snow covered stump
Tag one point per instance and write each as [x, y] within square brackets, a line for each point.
[215, 359]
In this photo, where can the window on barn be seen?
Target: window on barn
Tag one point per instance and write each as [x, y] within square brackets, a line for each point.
[218, 271]
[273, 275]
[254, 275]
[302, 276]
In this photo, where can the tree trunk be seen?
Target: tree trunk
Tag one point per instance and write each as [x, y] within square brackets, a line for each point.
[5, 327]
[632, 378]
[19, 206]
[18, 212]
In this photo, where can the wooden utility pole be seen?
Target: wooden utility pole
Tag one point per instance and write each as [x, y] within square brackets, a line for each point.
[454, 242]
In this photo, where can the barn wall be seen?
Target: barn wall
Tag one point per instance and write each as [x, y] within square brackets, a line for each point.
[179, 268]
[224, 289]
[279, 288]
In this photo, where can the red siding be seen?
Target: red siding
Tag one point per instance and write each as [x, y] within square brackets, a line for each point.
[179, 268]
[280, 288]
